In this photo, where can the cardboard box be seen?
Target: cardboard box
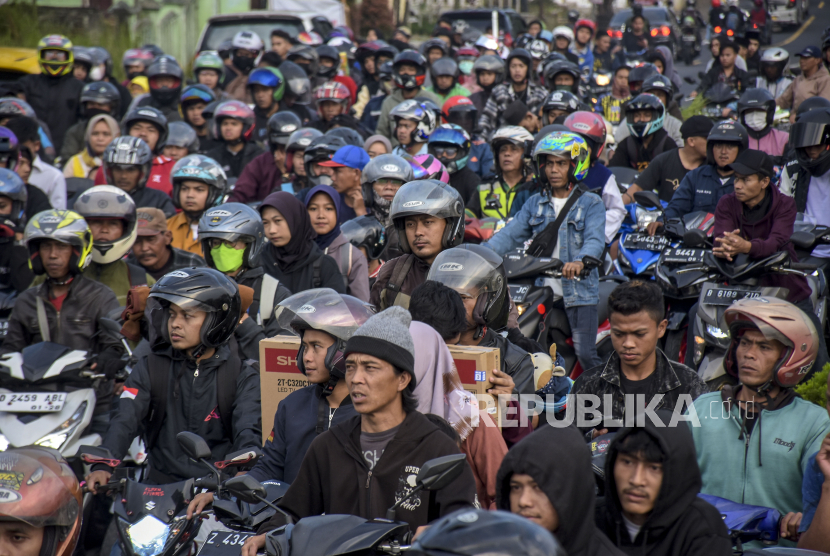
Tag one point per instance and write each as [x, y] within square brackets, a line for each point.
[279, 374]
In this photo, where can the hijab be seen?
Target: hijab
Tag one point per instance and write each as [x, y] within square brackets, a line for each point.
[438, 386]
[302, 234]
[325, 240]
[377, 139]
[93, 121]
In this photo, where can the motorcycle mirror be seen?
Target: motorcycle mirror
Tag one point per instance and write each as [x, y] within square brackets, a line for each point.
[690, 80]
[648, 199]
[110, 326]
[193, 445]
[590, 262]
[675, 228]
[439, 472]
[694, 238]
[246, 488]
[803, 240]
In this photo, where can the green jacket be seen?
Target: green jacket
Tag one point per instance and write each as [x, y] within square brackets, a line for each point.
[455, 91]
[117, 277]
[767, 467]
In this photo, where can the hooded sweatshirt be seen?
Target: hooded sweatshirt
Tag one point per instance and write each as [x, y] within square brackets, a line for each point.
[559, 461]
[680, 523]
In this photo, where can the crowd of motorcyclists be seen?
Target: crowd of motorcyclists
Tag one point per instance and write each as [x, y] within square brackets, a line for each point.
[327, 188]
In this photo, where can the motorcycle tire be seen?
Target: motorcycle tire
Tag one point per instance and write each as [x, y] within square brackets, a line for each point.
[674, 340]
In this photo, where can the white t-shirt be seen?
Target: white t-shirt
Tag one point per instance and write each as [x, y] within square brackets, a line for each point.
[818, 197]
[557, 204]
[633, 528]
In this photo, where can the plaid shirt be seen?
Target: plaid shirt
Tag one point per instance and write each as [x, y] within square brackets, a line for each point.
[501, 98]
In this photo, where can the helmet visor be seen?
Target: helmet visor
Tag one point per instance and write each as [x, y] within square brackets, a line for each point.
[185, 303]
[323, 309]
[464, 271]
[426, 197]
[809, 134]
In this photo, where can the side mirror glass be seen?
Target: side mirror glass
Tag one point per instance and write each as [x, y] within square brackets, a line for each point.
[694, 238]
[246, 488]
[648, 199]
[803, 240]
[439, 472]
[193, 445]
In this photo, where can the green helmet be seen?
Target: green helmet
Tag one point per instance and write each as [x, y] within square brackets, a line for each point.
[209, 60]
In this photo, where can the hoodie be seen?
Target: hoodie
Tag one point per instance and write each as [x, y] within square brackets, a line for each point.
[681, 522]
[559, 461]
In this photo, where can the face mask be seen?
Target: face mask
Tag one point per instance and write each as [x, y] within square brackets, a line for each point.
[227, 259]
[242, 63]
[97, 73]
[756, 120]
[466, 66]
[91, 112]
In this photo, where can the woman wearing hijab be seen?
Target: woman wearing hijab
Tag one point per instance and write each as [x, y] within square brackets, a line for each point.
[377, 145]
[439, 391]
[324, 205]
[291, 256]
[100, 131]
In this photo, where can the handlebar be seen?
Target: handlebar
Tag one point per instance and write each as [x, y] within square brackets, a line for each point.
[210, 483]
[112, 486]
[804, 266]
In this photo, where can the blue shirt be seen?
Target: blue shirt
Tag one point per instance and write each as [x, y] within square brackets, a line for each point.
[810, 492]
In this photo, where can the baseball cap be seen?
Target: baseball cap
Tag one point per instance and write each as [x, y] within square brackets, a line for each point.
[151, 221]
[751, 161]
[404, 30]
[696, 126]
[349, 156]
[810, 52]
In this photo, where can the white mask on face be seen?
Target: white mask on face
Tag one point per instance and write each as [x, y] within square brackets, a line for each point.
[97, 73]
[756, 120]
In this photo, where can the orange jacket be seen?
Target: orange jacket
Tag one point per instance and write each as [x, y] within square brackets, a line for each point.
[185, 235]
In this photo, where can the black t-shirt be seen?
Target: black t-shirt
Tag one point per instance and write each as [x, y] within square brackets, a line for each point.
[637, 386]
[663, 175]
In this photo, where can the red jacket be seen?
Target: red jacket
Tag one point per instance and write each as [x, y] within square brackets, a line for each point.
[258, 179]
[159, 175]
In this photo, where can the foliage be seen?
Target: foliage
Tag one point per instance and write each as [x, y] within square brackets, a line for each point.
[815, 389]
[695, 107]
[376, 14]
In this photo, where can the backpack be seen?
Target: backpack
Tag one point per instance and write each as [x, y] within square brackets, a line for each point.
[399, 272]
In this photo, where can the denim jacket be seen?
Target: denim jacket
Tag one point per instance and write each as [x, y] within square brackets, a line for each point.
[582, 233]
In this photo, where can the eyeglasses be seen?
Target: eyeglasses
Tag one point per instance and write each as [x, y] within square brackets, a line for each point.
[384, 183]
[215, 242]
[444, 151]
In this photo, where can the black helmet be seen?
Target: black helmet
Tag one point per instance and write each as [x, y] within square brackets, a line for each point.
[102, 92]
[434, 43]
[559, 100]
[444, 67]
[726, 131]
[434, 198]
[180, 134]
[326, 51]
[168, 66]
[319, 150]
[472, 532]
[756, 99]
[409, 82]
[233, 222]
[552, 69]
[203, 289]
[128, 151]
[366, 232]
[490, 62]
[280, 127]
[305, 57]
[812, 103]
[811, 129]
[472, 271]
[645, 101]
[658, 82]
[326, 310]
[525, 57]
[146, 114]
[385, 166]
[349, 136]
[386, 72]
[387, 51]
[299, 141]
[639, 74]
[297, 83]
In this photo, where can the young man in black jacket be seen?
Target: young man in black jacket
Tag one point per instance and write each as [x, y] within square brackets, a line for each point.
[363, 466]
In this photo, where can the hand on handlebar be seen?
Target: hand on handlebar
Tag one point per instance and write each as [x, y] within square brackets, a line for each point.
[572, 270]
[253, 545]
[199, 503]
[789, 525]
[96, 479]
[653, 227]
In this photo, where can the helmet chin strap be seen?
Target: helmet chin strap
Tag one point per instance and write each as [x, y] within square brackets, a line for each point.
[64, 280]
[480, 331]
[198, 351]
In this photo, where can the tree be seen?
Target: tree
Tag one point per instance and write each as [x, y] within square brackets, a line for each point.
[376, 14]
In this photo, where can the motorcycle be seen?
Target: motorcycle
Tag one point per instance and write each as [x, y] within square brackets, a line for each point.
[8, 296]
[690, 36]
[638, 251]
[598, 85]
[717, 99]
[479, 230]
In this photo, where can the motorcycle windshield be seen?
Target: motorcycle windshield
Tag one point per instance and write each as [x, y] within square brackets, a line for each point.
[323, 309]
[464, 271]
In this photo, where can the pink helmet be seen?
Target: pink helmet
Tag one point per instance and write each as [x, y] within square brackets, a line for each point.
[434, 169]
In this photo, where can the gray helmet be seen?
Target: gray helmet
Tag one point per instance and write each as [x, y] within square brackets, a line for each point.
[490, 62]
[180, 134]
[385, 166]
[128, 151]
[108, 201]
[321, 149]
[430, 197]
[233, 222]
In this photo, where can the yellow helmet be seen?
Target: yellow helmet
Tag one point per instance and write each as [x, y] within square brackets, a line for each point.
[55, 68]
[65, 226]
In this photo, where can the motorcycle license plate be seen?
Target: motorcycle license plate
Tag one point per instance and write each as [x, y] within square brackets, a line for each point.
[683, 255]
[645, 242]
[32, 402]
[727, 296]
[224, 543]
[518, 293]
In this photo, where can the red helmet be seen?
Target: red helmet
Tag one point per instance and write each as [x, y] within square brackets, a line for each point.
[467, 51]
[460, 110]
[237, 110]
[591, 127]
[716, 3]
[333, 91]
[585, 23]
[452, 102]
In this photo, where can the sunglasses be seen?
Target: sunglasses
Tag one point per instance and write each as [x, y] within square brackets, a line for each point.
[444, 151]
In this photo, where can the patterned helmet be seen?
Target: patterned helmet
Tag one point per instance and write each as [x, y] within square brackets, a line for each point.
[433, 167]
[65, 226]
[645, 101]
[236, 110]
[55, 68]
[449, 137]
[423, 117]
[198, 167]
[333, 91]
[109, 202]
[563, 144]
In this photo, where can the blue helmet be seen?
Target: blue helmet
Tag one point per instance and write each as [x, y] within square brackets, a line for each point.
[197, 167]
[12, 186]
[448, 136]
[268, 77]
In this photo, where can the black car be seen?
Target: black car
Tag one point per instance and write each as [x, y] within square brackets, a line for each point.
[664, 30]
[510, 22]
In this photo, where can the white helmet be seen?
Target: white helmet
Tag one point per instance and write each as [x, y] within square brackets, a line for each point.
[109, 202]
[563, 31]
[247, 40]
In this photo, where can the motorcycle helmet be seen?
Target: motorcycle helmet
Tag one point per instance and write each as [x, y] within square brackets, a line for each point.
[203, 289]
[65, 226]
[135, 56]
[280, 127]
[450, 140]
[267, 77]
[209, 61]
[563, 101]
[727, 131]
[366, 232]
[435, 43]
[563, 31]
[554, 68]
[590, 127]
[461, 111]
[489, 62]
[658, 82]
[12, 186]
[52, 43]
[409, 82]
[109, 202]
[386, 53]
[298, 85]
[638, 75]
[320, 149]
[418, 113]
[233, 222]
[538, 49]
[250, 41]
[433, 168]
[434, 198]
[331, 53]
[756, 100]
[182, 135]
[778, 320]
[512, 134]
[299, 141]
[333, 91]
[645, 101]
[42, 491]
[128, 151]
[385, 166]
[476, 272]
[487, 42]
[563, 144]
[324, 309]
[198, 167]
[309, 38]
[588, 24]
[368, 50]
[238, 111]
[523, 56]
[349, 136]
[165, 66]
[147, 114]
[812, 103]
[811, 129]
[444, 67]
[101, 92]
[193, 94]
[470, 532]
[11, 107]
[306, 57]
[9, 149]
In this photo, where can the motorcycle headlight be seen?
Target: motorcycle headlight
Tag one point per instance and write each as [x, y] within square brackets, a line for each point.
[602, 79]
[57, 437]
[700, 346]
[716, 332]
[646, 217]
[148, 536]
[522, 307]
[4, 443]
[624, 260]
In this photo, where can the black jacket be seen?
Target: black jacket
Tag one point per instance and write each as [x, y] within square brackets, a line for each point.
[741, 79]
[416, 276]
[466, 182]
[55, 101]
[343, 120]
[300, 418]
[801, 183]
[514, 361]
[632, 154]
[36, 201]
[14, 266]
[308, 275]
[260, 134]
[179, 258]
[559, 461]
[234, 163]
[73, 140]
[334, 477]
[680, 523]
[170, 111]
[192, 405]
[257, 327]
[480, 101]
[672, 380]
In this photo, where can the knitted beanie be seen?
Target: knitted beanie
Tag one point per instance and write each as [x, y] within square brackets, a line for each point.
[386, 336]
